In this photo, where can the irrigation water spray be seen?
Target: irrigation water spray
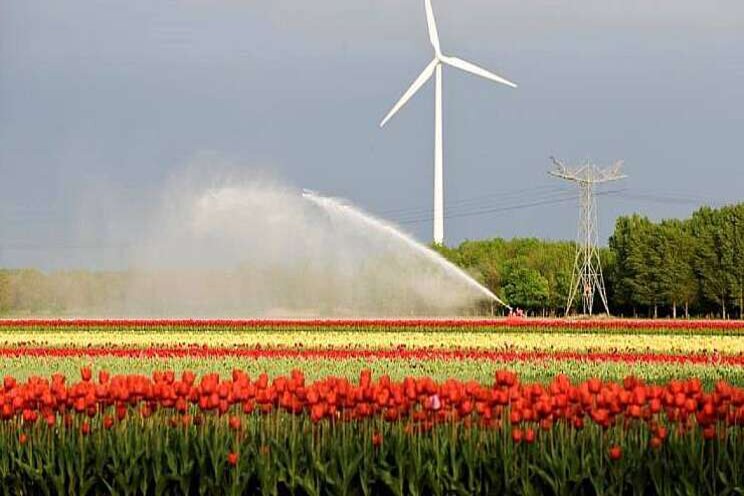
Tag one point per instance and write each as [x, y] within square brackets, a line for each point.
[339, 207]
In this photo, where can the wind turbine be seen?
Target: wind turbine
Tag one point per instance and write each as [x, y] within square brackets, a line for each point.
[435, 67]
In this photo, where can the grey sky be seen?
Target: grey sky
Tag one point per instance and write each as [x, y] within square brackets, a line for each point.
[101, 101]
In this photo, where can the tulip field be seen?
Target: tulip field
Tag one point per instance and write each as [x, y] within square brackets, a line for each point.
[504, 406]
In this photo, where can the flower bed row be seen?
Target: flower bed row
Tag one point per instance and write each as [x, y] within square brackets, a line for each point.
[403, 323]
[204, 351]
[670, 343]
[283, 453]
[421, 400]
[212, 434]
[23, 367]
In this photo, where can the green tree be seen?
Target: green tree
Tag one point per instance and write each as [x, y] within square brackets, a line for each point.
[712, 256]
[677, 279]
[622, 273]
[6, 302]
[29, 290]
[733, 219]
[646, 258]
[526, 288]
[637, 248]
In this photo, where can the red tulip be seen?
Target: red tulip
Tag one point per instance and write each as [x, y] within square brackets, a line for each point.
[529, 435]
[517, 435]
[662, 432]
[376, 439]
[709, 432]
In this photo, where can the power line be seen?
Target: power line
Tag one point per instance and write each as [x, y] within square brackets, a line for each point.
[518, 206]
[664, 199]
[478, 210]
[503, 201]
[651, 195]
[493, 208]
[470, 206]
[462, 208]
[474, 199]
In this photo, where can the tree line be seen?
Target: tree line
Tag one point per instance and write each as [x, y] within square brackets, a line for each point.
[695, 264]
[668, 268]
[691, 267]
[34, 292]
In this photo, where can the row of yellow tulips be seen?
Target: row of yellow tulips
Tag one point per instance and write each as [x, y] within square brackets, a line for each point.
[615, 342]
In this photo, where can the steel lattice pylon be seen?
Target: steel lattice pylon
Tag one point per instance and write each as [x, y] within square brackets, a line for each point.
[587, 272]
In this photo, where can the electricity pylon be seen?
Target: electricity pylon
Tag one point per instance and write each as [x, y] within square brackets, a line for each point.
[587, 272]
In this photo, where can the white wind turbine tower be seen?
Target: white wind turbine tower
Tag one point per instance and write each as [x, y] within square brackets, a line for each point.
[435, 67]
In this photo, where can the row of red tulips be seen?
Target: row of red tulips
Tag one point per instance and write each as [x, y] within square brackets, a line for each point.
[383, 323]
[204, 351]
[421, 402]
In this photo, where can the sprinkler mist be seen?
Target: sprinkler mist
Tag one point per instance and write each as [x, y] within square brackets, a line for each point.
[253, 247]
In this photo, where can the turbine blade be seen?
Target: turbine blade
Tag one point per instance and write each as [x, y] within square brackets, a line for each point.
[474, 69]
[432, 23]
[418, 83]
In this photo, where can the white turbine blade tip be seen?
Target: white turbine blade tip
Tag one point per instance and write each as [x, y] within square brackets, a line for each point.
[432, 25]
[415, 86]
[390, 115]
